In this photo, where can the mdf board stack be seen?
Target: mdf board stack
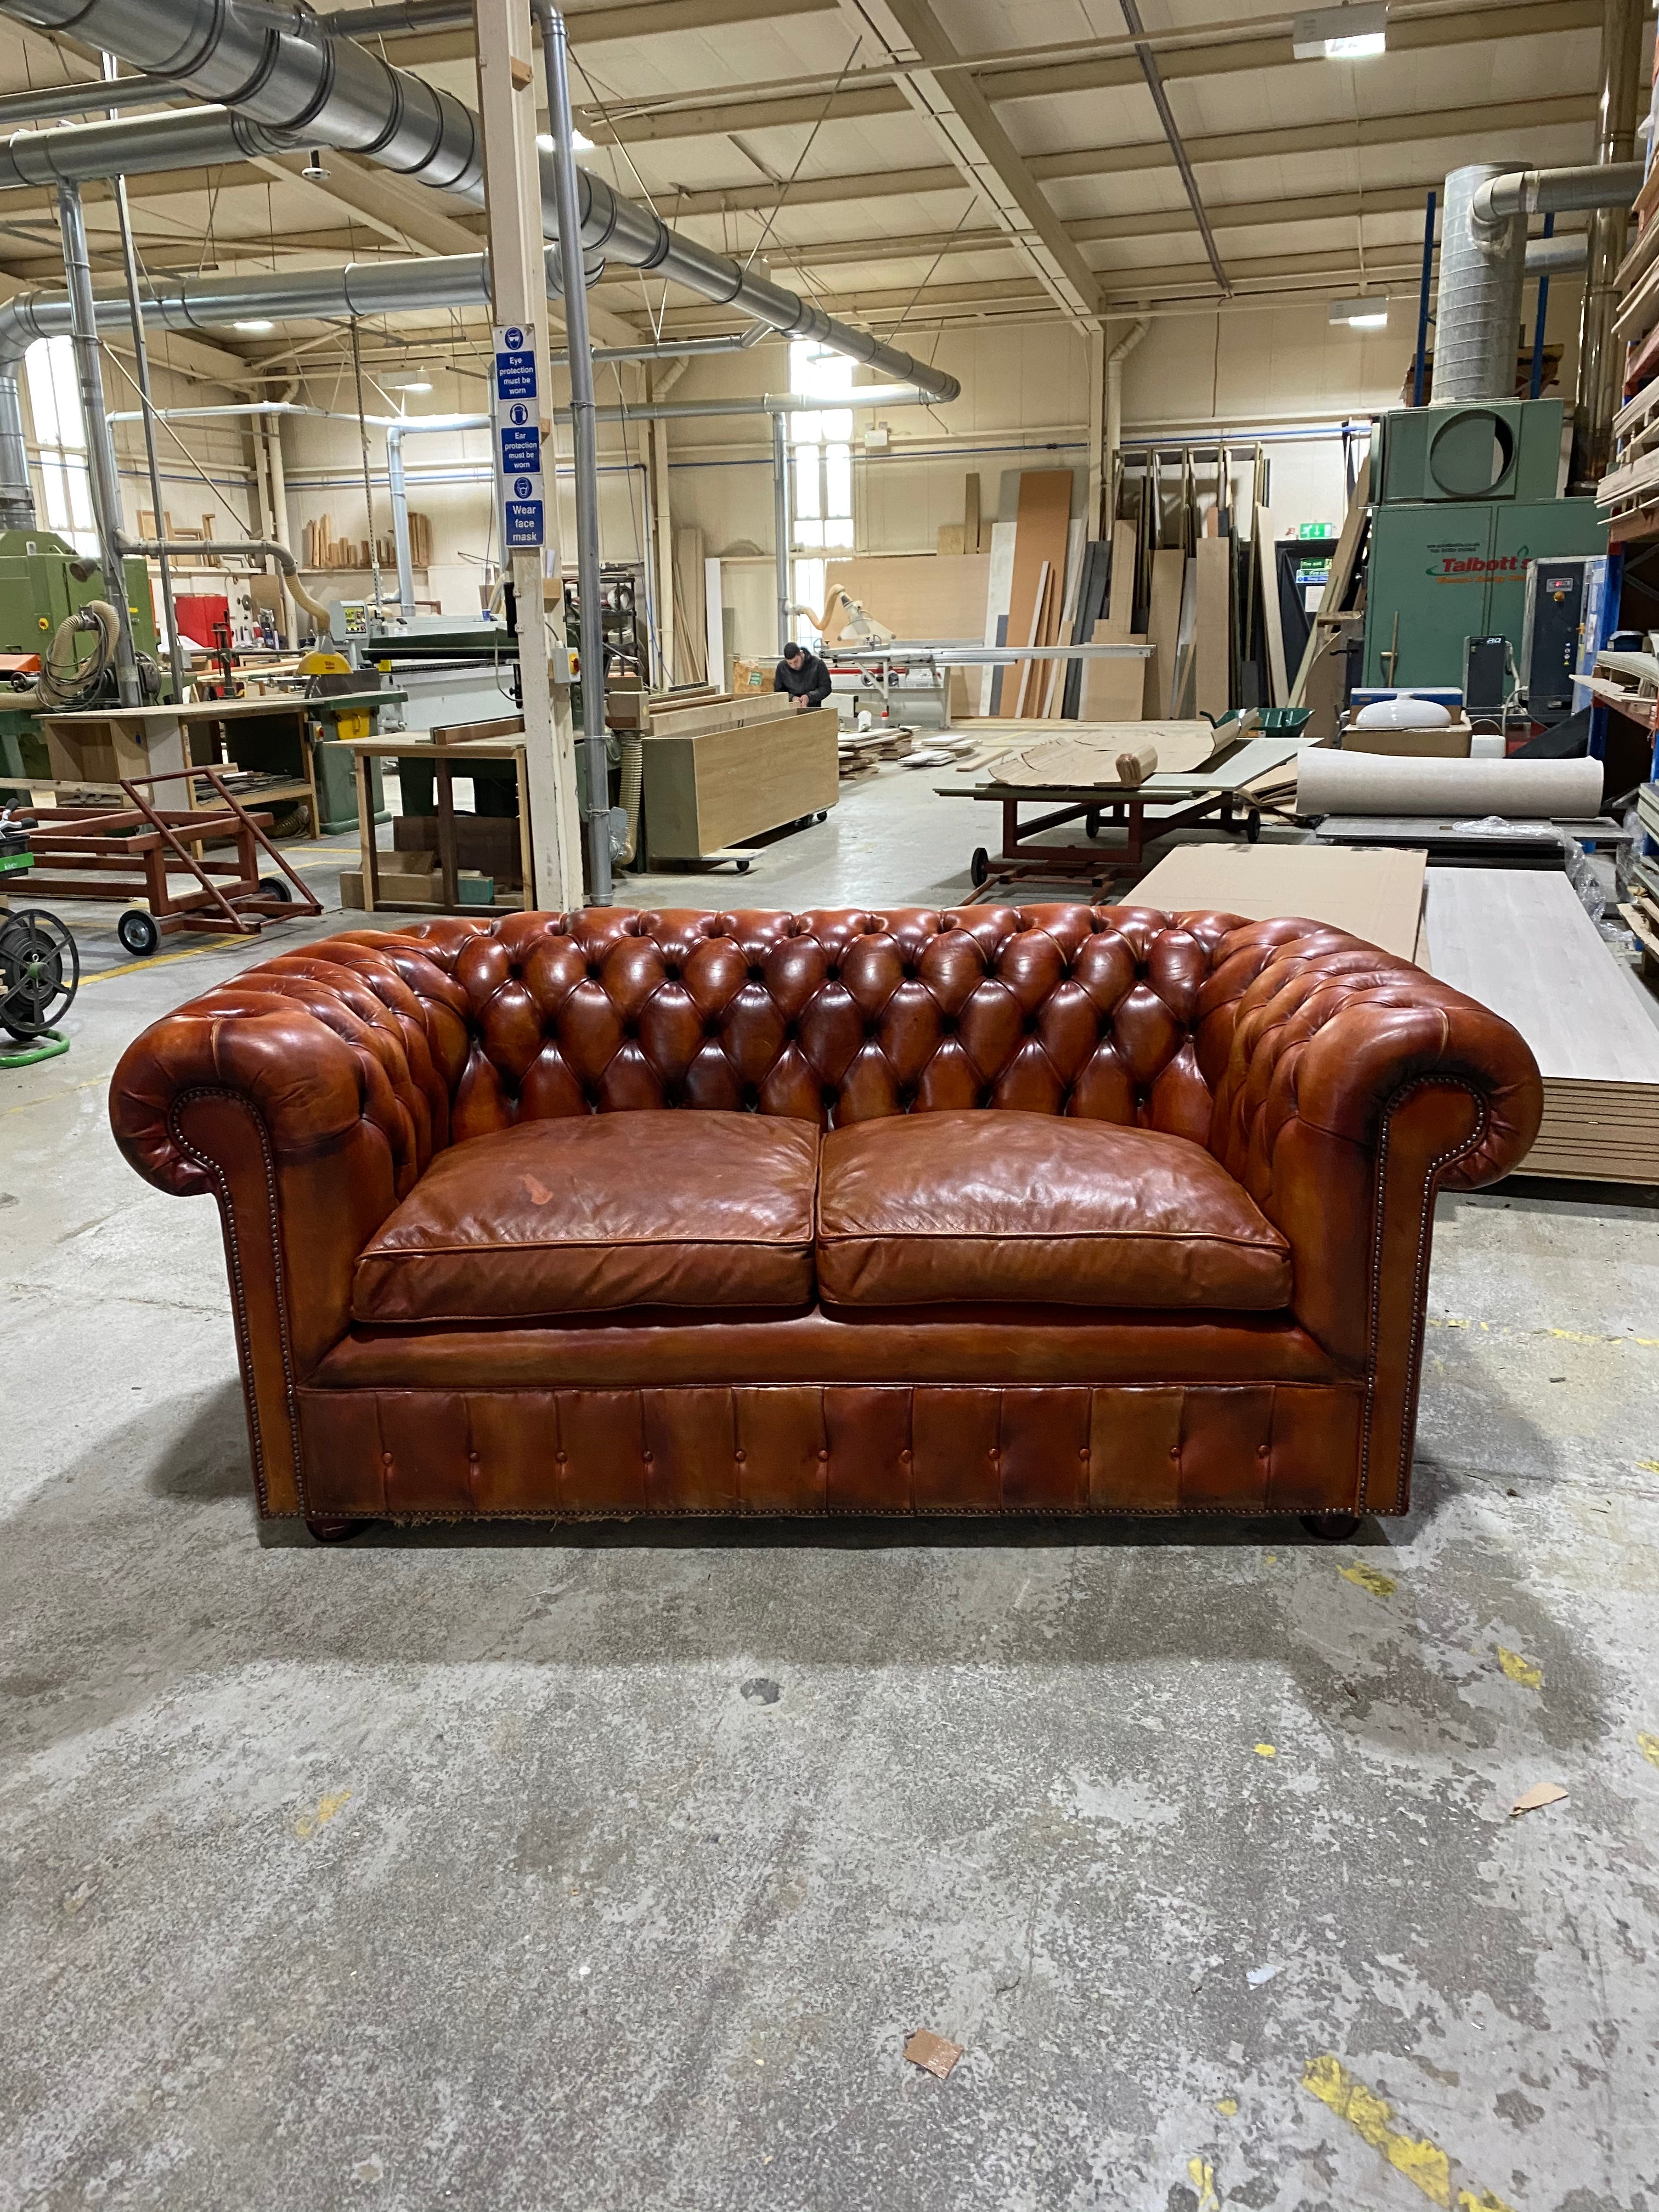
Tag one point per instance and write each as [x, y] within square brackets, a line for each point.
[1519, 941]
[706, 789]
[939, 596]
[1043, 529]
[1213, 636]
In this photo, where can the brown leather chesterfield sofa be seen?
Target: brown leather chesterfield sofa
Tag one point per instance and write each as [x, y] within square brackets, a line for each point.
[1068, 1211]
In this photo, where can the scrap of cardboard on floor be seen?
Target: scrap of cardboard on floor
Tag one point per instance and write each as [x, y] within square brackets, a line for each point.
[1541, 1793]
[935, 2054]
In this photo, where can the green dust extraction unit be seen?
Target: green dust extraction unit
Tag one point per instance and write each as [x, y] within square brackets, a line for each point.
[44, 582]
[1464, 491]
[1465, 498]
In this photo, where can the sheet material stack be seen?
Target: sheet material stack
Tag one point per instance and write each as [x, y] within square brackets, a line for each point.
[1519, 940]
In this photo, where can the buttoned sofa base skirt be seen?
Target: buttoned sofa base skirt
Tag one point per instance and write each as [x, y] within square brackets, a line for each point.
[1155, 1238]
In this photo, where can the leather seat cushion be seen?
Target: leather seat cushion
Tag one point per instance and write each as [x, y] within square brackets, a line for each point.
[599, 1213]
[931, 1209]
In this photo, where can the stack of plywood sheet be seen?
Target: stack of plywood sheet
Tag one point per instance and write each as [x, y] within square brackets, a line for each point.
[1519, 940]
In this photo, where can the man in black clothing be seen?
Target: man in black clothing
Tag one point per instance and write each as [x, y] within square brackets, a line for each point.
[804, 675]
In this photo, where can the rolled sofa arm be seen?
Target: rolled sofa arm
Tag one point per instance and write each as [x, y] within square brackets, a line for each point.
[1349, 1088]
[307, 1096]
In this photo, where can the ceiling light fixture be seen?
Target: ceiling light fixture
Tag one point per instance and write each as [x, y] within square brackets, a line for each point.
[582, 145]
[313, 168]
[256, 327]
[1340, 34]
[415, 384]
[1371, 314]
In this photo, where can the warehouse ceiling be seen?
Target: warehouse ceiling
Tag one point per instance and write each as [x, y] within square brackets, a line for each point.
[915, 167]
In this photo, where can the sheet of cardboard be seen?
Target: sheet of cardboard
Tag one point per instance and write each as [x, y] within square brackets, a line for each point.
[1375, 896]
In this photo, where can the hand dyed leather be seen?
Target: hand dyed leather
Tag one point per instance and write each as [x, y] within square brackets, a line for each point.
[921, 1209]
[1340, 1088]
[589, 1214]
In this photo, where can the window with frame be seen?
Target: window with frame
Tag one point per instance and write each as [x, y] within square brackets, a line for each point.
[821, 470]
[60, 437]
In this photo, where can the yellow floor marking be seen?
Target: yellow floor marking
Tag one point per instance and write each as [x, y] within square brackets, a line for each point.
[1201, 2174]
[1649, 1466]
[1226, 2106]
[1530, 1677]
[1368, 1578]
[1563, 1335]
[1423, 2163]
[1266, 1751]
[309, 1824]
[163, 959]
[1648, 1746]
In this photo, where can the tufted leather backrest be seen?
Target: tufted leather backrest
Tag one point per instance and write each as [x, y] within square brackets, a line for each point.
[830, 1016]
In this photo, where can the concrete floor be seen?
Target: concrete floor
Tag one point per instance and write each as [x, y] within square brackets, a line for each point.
[608, 1868]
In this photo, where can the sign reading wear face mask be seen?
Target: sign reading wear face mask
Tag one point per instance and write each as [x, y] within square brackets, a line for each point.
[518, 437]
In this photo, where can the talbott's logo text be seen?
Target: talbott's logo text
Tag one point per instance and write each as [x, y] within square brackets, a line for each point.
[1461, 568]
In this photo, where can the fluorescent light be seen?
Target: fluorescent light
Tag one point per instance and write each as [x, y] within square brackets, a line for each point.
[582, 145]
[256, 327]
[1368, 313]
[415, 384]
[1340, 34]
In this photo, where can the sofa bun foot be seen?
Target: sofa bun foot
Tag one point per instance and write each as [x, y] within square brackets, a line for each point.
[336, 1532]
[1331, 1528]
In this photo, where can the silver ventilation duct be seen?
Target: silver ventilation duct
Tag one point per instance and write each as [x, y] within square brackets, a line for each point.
[1478, 307]
[1485, 252]
[278, 66]
[209, 304]
[135, 145]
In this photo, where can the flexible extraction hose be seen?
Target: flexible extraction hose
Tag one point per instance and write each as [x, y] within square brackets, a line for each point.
[633, 785]
[63, 684]
[196, 547]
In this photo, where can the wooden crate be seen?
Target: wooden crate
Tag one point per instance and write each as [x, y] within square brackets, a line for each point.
[708, 789]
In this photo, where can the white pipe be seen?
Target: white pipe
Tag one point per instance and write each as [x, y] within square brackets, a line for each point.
[1114, 361]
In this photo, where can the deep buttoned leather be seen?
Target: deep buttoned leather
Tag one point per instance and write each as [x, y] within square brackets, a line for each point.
[1338, 1087]
[926, 1209]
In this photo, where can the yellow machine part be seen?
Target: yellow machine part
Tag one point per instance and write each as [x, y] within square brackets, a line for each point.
[323, 663]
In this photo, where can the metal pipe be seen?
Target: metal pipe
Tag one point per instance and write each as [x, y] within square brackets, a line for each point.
[397, 488]
[1114, 361]
[1549, 255]
[402, 15]
[1600, 357]
[272, 432]
[586, 449]
[1178, 144]
[1420, 366]
[267, 548]
[141, 358]
[1554, 191]
[135, 145]
[101, 440]
[51, 100]
[1478, 311]
[780, 528]
[1536, 382]
[279, 66]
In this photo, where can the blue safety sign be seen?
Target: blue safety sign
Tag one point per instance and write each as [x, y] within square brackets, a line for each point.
[515, 362]
[522, 451]
[524, 521]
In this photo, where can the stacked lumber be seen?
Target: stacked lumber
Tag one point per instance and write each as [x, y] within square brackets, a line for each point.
[1629, 494]
[1520, 941]
[323, 549]
[862, 751]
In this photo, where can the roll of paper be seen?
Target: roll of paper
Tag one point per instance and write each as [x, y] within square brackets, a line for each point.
[1332, 782]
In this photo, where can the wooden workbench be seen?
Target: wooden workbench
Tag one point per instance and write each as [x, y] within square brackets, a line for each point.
[447, 762]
